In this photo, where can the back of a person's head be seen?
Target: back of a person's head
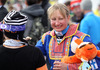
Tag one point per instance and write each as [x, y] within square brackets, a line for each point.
[13, 25]
[86, 5]
[31, 2]
[3, 1]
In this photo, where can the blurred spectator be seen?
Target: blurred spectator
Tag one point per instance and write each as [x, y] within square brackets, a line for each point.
[3, 10]
[33, 11]
[19, 5]
[75, 7]
[67, 3]
[90, 24]
[10, 7]
[3, 13]
[45, 5]
[97, 11]
[15, 5]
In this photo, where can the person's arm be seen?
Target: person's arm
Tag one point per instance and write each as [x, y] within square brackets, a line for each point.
[41, 63]
[63, 66]
[41, 46]
[59, 66]
[29, 25]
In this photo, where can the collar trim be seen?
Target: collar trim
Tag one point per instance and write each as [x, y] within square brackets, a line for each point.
[71, 31]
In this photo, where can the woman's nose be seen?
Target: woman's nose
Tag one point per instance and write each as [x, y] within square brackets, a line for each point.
[57, 22]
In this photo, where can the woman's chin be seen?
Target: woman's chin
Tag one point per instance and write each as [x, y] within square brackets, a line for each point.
[58, 30]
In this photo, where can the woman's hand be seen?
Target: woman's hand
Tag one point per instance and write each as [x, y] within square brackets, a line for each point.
[59, 66]
[63, 66]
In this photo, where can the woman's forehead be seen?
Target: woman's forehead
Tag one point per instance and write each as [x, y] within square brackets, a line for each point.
[58, 12]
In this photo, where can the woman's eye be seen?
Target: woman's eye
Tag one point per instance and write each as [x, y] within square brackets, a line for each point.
[53, 18]
[60, 18]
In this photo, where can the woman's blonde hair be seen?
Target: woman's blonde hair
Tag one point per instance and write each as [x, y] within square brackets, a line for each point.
[61, 7]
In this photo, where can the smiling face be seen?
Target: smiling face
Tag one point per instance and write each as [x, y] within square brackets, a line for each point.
[58, 21]
[59, 16]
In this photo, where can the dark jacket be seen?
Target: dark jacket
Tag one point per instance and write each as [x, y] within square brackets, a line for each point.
[3, 13]
[45, 5]
[32, 12]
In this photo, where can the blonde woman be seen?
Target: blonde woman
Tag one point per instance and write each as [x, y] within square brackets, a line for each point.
[56, 43]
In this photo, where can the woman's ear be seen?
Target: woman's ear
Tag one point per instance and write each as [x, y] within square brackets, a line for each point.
[68, 17]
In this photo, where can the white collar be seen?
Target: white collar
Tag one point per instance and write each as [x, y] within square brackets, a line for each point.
[58, 33]
[0, 6]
